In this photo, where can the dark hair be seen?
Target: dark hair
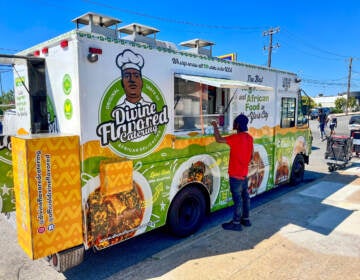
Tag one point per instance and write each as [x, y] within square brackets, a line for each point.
[241, 122]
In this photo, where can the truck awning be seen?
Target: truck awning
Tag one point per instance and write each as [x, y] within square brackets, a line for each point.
[223, 83]
[9, 59]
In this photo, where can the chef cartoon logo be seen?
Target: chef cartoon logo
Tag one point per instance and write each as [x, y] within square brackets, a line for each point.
[133, 113]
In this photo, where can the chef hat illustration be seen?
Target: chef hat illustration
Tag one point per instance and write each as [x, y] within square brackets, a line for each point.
[128, 59]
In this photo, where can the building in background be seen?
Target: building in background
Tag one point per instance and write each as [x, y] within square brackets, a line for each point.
[356, 94]
[329, 101]
[325, 101]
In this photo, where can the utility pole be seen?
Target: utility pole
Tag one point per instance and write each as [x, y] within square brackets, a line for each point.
[348, 87]
[270, 33]
[1, 88]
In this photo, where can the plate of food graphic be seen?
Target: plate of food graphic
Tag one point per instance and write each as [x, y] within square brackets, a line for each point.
[282, 170]
[299, 147]
[146, 195]
[201, 169]
[116, 217]
[258, 171]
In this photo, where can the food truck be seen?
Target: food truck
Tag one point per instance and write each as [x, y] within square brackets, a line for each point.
[112, 136]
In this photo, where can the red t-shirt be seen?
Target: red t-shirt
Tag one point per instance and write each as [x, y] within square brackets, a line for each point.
[241, 149]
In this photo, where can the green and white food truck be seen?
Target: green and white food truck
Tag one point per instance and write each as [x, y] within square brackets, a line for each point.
[112, 136]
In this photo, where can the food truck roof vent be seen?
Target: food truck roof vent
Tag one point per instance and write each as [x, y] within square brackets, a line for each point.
[139, 33]
[198, 46]
[96, 23]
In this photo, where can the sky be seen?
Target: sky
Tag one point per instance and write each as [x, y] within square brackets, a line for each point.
[316, 39]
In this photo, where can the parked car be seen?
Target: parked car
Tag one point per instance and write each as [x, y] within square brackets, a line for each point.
[354, 127]
[326, 110]
[314, 113]
[354, 123]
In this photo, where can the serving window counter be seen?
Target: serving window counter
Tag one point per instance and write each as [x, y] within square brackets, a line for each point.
[196, 105]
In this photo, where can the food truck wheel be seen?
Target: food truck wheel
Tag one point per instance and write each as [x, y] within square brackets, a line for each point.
[297, 170]
[66, 259]
[187, 211]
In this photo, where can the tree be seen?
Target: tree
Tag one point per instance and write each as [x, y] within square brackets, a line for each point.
[352, 102]
[305, 101]
[7, 98]
[340, 103]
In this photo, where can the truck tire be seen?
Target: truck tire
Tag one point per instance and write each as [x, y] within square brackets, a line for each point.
[297, 170]
[187, 211]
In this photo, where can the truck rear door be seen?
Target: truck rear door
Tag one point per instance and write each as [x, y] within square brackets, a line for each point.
[30, 93]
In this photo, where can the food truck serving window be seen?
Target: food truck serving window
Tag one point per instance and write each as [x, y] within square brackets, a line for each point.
[196, 104]
[288, 108]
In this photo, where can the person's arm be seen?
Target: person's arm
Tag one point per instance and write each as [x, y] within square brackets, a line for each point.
[217, 135]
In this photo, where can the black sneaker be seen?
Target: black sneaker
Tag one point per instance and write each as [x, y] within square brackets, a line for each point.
[246, 222]
[232, 226]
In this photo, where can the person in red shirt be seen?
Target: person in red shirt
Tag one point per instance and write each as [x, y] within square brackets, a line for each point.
[241, 154]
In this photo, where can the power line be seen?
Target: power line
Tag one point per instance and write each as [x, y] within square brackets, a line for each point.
[311, 46]
[11, 50]
[296, 48]
[222, 27]
[294, 41]
[319, 82]
[172, 19]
